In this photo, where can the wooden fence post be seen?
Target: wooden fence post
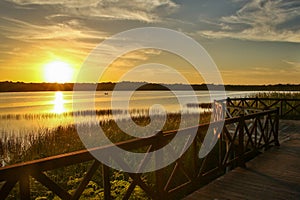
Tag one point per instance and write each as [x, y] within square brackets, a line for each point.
[220, 165]
[241, 150]
[276, 128]
[24, 187]
[281, 108]
[159, 172]
[106, 182]
[195, 158]
[256, 101]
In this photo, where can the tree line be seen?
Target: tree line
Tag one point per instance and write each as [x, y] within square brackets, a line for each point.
[9, 86]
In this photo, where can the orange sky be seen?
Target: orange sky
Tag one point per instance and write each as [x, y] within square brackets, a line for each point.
[252, 42]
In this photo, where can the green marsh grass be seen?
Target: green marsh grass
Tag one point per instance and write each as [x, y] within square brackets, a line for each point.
[283, 95]
[64, 139]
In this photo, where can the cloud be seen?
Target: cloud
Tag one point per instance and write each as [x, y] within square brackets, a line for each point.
[142, 54]
[67, 3]
[74, 27]
[261, 75]
[70, 37]
[135, 58]
[295, 66]
[266, 71]
[28, 32]
[260, 20]
[146, 11]
[256, 35]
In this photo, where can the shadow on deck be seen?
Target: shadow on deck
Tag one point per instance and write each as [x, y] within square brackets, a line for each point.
[275, 174]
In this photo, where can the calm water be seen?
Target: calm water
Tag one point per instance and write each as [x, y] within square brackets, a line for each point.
[29, 112]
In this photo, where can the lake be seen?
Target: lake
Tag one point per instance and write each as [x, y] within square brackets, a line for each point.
[28, 112]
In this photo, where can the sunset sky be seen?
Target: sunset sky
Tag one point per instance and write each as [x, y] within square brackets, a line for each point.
[251, 41]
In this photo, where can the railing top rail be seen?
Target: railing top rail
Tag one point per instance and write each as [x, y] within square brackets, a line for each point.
[245, 107]
[255, 98]
[266, 112]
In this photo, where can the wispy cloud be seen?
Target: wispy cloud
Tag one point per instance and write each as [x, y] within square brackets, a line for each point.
[25, 31]
[261, 20]
[68, 3]
[261, 75]
[295, 66]
[146, 11]
[134, 58]
[142, 54]
[76, 26]
[70, 37]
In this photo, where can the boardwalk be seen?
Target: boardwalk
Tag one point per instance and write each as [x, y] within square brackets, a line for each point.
[275, 174]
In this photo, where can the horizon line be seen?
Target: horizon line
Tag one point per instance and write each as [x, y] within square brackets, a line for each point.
[155, 83]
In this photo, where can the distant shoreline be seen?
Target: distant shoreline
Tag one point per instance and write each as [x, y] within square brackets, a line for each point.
[9, 86]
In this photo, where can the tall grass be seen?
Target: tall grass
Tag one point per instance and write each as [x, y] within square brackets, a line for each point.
[282, 95]
[63, 139]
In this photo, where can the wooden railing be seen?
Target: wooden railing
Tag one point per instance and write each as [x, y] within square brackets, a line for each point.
[288, 108]
[241, 137]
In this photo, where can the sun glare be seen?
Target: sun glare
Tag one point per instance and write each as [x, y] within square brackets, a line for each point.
[58, 103]
[59, 72]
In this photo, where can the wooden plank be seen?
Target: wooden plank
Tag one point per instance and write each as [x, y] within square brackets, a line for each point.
[264, 178]
[137, 179]
[129, 191]
[106, 182]
[24, 187]
[6, 188]
[43, 179]
[86, 180]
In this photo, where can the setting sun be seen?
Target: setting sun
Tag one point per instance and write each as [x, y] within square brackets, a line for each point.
[58, 71]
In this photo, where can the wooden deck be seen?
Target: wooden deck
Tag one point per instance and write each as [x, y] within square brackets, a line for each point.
[274, 174]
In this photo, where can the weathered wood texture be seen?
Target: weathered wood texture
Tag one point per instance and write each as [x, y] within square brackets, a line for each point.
[275, 174]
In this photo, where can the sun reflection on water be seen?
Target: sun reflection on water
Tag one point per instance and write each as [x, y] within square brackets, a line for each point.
[59, 103]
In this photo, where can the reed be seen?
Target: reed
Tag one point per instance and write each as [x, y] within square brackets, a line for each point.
[281, 95]
[63, 139]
